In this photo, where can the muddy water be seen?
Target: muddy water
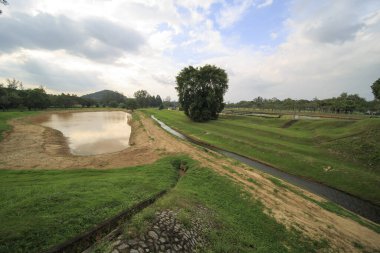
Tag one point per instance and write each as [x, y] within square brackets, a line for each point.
[93, 133]
[352, 203]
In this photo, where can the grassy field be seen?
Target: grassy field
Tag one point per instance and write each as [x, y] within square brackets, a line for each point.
[238, 222]
[344, 154]
[42, 208]
[5, 116]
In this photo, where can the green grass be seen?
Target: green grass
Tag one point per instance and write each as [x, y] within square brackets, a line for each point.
[42, 208]
[344, 154]
[5, 116]
[238, 223]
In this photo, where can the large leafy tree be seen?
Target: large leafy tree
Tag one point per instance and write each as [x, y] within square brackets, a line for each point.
[376, 89]
[201, 91]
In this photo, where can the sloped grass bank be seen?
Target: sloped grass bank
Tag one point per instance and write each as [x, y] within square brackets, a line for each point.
[340, 153]
[239, 222]
[42, 208]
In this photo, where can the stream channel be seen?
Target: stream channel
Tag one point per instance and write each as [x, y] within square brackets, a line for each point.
[356, 205]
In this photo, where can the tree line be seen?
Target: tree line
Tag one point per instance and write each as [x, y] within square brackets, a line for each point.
[13, 95]
[345, 103]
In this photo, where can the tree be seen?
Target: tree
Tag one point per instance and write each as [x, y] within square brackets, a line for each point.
[142, 97]
[376, 89]
[201, 91]
[131, 104]
[37, 99]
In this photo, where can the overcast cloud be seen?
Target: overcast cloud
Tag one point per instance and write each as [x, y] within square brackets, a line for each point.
[297, 49]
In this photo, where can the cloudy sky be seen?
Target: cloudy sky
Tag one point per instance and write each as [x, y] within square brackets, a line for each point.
[269, 48]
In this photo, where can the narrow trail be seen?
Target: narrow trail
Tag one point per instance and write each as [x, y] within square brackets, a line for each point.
[150, 142]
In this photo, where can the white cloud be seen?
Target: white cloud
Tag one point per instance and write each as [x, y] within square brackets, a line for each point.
[329, 47]
[232, 13]
[265, 3]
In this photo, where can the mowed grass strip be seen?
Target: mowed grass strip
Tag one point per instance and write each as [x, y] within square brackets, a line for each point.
[344, 154]
[238, 222]
[42, 208]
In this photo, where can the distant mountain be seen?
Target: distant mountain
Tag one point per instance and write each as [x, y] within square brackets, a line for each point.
[106, 97]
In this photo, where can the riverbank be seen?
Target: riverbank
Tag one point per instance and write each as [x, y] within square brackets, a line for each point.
[341, 154]
[295, 209]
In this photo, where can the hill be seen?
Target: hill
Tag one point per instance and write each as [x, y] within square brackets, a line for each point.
[106, 97]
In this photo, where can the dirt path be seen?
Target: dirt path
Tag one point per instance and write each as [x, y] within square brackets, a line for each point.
[30, 145]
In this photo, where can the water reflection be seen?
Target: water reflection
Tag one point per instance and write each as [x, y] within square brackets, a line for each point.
[93, 133]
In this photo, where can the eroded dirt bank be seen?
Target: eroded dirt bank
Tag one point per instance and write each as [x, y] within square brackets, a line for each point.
[30, 146]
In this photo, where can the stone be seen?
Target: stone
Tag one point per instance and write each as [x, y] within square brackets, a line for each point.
[153, 235]
[132, 242]
[123, 246]
[162, 240]
[115, 251]
[115, 243]
[140, 250]
[142, 244]
[133, 251]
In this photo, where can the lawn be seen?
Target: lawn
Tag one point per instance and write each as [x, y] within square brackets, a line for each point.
[344, 154]
[239, 223]
[42, 208]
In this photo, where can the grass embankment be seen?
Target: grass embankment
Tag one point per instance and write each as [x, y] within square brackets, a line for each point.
[5, 116]
[341, 153]
[238, 222]
[42, 208]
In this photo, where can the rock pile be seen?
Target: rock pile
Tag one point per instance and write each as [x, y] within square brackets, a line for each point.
[166, 234]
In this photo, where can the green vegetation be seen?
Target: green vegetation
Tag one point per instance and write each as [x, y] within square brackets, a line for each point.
[5, 116]
[344, 105]
[201, 90]
[14, 96]
[376, 89]
[42, 208]
[341, 153]
[238, 223]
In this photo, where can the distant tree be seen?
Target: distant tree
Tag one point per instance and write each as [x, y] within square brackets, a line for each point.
[376, 89]
[131, 104]
[37, 99]
[201, 91]
[158, 100]
[4, 101]
[142, 98]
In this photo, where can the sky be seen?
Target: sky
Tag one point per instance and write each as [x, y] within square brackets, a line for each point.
[300, 49]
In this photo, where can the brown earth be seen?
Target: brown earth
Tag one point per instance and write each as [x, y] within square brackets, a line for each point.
[30, 145]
